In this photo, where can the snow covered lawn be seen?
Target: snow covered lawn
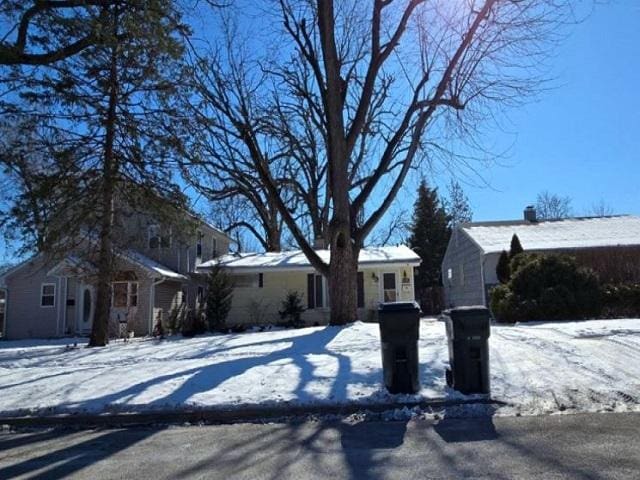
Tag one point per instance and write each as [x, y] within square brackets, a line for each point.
[536, 368]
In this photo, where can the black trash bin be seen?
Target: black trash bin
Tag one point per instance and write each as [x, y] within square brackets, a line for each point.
[468, 330]
[399, 332]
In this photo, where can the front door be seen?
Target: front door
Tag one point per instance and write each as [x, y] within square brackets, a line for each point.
[389, 287]
[87, 308]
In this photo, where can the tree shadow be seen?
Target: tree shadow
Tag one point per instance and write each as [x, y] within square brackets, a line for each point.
[72, 456]
[206, 378]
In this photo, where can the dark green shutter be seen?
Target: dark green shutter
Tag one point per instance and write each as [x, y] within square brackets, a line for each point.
[319, 302]
[360, 290]
[310, 291]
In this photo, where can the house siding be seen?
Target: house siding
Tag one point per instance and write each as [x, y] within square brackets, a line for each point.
[464, 258]
[255, 305]
[25, 318]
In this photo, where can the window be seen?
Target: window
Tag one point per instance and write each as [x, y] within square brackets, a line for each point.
[389, 293]
[315, 291]
[124, 294]
[48, 295]
[214, 247]
[158, 239]
[360, 290]
[247, 281]
[260, 280]
[199, 244]
[154, 236]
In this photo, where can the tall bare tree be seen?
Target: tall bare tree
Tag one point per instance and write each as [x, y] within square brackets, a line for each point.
[384, 84]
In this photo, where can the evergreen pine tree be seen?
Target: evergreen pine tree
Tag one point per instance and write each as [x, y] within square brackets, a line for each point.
[98, 121]
[503, 269]
[430, 234]
[516, 247]
[218, 300]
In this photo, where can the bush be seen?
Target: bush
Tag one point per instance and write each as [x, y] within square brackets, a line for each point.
[292, 310]
[193, 324]
[546, 287]
[621, 300]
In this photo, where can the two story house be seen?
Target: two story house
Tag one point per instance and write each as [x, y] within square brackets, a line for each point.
[155, 277]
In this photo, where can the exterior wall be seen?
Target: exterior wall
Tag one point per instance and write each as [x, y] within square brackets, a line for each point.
[464, 259]
[25, 318]
[255, 305]
[181, 255]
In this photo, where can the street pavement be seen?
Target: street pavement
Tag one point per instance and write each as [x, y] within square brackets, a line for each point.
[582, 446]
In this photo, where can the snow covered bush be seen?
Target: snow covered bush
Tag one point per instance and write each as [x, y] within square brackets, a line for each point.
[546, 287]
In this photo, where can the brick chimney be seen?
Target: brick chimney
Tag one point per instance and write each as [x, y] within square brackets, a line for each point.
[530, 214]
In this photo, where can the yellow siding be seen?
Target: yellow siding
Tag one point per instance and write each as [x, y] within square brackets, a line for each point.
[254, 305]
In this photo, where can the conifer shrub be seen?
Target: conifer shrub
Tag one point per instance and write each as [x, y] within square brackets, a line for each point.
[292, 309]
[546, 287]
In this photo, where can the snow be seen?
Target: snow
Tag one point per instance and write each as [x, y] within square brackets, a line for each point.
[295, 259]
[535, 368]
[152, 265]
[623, 230]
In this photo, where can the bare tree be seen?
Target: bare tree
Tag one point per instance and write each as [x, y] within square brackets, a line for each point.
[600, 209]
[385, 84]
[551, 206]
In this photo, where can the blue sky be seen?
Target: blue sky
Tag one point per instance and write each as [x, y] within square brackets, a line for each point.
[582, 138]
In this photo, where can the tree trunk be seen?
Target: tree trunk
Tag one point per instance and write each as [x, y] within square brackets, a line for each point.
[342, 284]
[100, 327]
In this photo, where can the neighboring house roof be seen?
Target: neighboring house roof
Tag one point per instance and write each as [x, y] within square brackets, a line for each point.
[151, 265]
[296, 260]
[73, 265]
[585, 232]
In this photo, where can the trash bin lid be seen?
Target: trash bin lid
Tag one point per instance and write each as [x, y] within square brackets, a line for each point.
[398, 306]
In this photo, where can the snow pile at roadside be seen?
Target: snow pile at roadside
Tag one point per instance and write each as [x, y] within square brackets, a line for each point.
[537, 368]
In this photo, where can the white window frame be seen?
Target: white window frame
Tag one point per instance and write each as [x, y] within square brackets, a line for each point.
[51, 295]
[383, 290]
[129, 293]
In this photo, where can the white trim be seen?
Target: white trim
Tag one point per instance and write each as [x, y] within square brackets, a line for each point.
[55, 291]
[129, 284]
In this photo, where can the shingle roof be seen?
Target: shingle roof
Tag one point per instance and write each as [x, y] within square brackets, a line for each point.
[586, 232]
[296, 260]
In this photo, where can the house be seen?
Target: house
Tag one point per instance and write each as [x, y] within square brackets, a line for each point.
[155, 265]
[262, 280]
[610, 245]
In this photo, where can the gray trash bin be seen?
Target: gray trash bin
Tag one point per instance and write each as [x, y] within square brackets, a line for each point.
[468, 330]
[399, 332]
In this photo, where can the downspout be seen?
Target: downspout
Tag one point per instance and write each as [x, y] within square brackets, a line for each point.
[64, 311]
[482, 282]
[58, 293]
[6, 312]
[152, 302]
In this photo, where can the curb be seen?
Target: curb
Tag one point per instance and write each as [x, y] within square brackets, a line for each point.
[225, 416]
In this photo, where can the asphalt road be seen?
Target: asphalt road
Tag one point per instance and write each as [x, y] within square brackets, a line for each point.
[585, 446]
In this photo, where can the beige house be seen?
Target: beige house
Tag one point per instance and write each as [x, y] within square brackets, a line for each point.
[155, 278]
[262, 280]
